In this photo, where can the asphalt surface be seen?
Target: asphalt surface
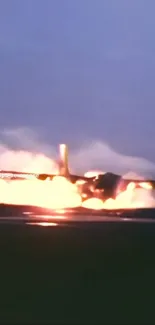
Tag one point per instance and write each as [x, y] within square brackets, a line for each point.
[77, 272]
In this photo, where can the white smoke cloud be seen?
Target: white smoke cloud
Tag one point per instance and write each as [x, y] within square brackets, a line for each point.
[22, 149]
[99, 155]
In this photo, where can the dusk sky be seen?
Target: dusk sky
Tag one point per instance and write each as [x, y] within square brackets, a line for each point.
[80, 69]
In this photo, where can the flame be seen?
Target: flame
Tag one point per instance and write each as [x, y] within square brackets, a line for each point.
[93, 173]
[56, 194]
[93, 203]
[60, 193]
[145, 185]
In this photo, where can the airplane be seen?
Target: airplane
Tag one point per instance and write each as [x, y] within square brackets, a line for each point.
[104, 185]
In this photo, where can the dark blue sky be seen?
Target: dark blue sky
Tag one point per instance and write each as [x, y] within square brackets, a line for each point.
[80, 69]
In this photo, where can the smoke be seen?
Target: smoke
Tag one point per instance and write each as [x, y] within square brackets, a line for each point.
[99, 155]
[23, 149]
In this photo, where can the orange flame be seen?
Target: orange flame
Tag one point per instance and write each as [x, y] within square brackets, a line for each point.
[60, 193]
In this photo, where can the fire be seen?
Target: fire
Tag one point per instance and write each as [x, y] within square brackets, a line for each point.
[60, 193]
[56, 194]
[145, 185]
[93, 173]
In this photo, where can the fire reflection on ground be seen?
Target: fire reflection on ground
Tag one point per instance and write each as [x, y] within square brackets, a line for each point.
[42, 224]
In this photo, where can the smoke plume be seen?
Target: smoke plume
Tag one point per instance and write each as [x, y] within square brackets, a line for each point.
[22, 149]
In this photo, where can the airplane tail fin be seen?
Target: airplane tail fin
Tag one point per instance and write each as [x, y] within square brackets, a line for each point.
[63, 163]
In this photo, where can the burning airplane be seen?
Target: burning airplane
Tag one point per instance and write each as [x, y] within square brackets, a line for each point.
[66, 190]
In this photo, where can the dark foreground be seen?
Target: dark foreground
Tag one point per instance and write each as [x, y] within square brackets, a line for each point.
[86, 273]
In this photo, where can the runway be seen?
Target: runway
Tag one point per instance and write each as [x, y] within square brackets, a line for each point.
[29, 215]
[47, 221]
[77, 268]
